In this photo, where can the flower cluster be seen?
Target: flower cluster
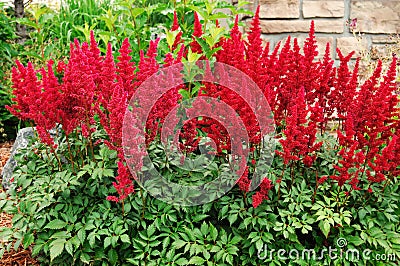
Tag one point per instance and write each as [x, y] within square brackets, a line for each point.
[262, 194]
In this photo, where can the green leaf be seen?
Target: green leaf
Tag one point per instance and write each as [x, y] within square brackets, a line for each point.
[182, 261]
[37, 248]
[56, 224]
[196, 260]
[179, 243]
[232, 218]
[395, 241]
[85, 258]
[125, 238]
[171, 36]
[355, 240]
[112, 256]
[213, 232]
[82, 235]
[28, 240]
[325, 227]
[136, 11]
[56, 248]
[150, 230]
[69, 248]
[107, 242]
[362, 213]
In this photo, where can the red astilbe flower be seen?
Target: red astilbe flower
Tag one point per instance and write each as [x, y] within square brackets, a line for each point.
[373, 128]
[37, 100]
[126, 68]
[254, 51]
[310, 67]
[26, 91]
[194, 45]
[383, 163]
[168, 100]
[300, 135]
[106, 78]
[178, 38]
[233, 50]
[344, 87]
[325, 82]
[124, 184]
[262, 194]
[78, 91]
[60, 67]
[175, 24]
[351, 159]
[189, 137]
[244, 181]
[112, 119]
[286, 66]
[49, 113]
[148, 64]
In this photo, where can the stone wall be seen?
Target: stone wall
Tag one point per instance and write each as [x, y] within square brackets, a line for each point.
[375, 21]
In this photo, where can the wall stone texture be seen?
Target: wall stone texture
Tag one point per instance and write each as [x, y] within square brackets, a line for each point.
[375, 22]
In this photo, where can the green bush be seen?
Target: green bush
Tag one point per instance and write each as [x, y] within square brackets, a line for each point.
[8, 52]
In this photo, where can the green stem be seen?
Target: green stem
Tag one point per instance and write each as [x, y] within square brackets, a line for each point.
[70, 153]
[316, 186]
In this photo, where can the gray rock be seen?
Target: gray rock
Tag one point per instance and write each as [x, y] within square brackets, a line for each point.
[21, 142]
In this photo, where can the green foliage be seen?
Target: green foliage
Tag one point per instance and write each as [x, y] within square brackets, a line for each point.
[64, 213]
[7, 52]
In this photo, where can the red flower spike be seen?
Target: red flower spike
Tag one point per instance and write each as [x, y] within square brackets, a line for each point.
[175, 25]
[124, 184]
[262, 194]
[198, 32]
[125, 68]
[254, 50]
[244, 182]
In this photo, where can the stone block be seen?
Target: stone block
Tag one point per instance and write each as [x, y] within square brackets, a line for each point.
[323, 9]
[385, 39]
[349, 44]
[290, 26]
[279, 8]
[321, 42]
[376, 16]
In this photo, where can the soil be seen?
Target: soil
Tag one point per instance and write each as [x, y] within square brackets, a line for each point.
[20, 257]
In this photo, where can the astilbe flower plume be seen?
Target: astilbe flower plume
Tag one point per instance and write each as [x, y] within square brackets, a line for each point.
[124, 184]
[37, 100]
[262, 194]
[175, 27]
[300, 135]
[244, 181]
[367, 131]
[198, 31]
[126, 68]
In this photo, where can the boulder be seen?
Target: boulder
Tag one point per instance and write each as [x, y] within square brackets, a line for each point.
[21, 142]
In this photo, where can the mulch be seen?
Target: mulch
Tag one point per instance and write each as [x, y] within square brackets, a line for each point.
[20, 257]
